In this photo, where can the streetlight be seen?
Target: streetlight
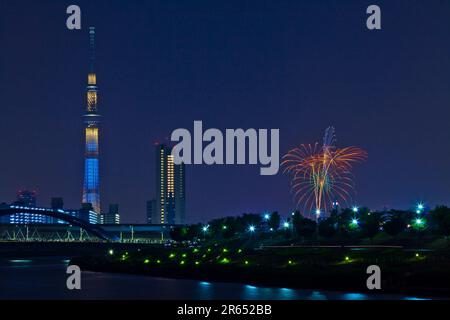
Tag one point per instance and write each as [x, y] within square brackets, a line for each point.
[266, 216]
[355, 222]
[205, 229]
[251, 228]
[286, 225]
[419, 208]
[355, 209]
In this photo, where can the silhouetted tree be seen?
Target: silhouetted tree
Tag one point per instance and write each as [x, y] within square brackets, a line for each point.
[274, 221]
[303, 227]
[395, 223]
[370, 224]
[327, 228]
[179, 233]
[440, 217]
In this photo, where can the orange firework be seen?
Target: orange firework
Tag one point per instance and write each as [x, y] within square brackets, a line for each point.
[321, 175]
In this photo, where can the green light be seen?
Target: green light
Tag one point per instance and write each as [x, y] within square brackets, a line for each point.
[111, 252]
[240, 250]
[224, 227]
[417, 255]
[195, 250]
[290, 262]
[197, 263]
[184, 255]
[225, 250]
[182, 262]
[246, 262]
[172, 255]
[347, 258]
[225, 261]
[158, 261]
[146, 261]
[209, 250]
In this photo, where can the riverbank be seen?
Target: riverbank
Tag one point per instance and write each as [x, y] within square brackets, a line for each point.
[11, 249]
[421, 273]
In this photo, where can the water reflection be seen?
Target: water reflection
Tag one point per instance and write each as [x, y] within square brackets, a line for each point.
[287, 294]
[20, 261]
[205, 291]
[17, 274]
[354, 296]
[316, 295]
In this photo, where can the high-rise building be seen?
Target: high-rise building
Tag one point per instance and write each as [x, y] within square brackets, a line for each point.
[91, 185]
[170, 189]
[112, 216]
[151, 210]
[88, 214]
[27, 198]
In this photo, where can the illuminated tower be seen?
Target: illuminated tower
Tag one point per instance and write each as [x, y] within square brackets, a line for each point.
[91, 193]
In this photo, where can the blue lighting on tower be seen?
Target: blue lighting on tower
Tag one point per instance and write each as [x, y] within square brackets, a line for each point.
[91, 192]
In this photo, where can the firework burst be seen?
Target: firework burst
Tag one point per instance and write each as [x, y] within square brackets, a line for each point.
[321, 175]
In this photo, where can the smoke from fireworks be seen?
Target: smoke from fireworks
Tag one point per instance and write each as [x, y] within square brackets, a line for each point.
[321, 175]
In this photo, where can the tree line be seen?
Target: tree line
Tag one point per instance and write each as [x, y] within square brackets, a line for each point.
[339, 225]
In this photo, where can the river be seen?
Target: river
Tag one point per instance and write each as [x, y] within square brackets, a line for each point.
[45, 278]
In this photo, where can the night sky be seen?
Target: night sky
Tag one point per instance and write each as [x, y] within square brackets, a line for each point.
[299, 66]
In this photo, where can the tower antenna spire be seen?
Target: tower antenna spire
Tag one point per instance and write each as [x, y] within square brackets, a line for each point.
[92, 45]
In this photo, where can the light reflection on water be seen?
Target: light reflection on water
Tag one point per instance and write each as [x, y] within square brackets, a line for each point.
[316, 295]
[355, 296]
[251, 292]
[17, 274]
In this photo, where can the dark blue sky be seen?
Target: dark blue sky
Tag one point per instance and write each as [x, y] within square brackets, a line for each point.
[299, 66]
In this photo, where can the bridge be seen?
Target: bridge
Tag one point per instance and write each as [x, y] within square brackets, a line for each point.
[57, 214]
[76, 229]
